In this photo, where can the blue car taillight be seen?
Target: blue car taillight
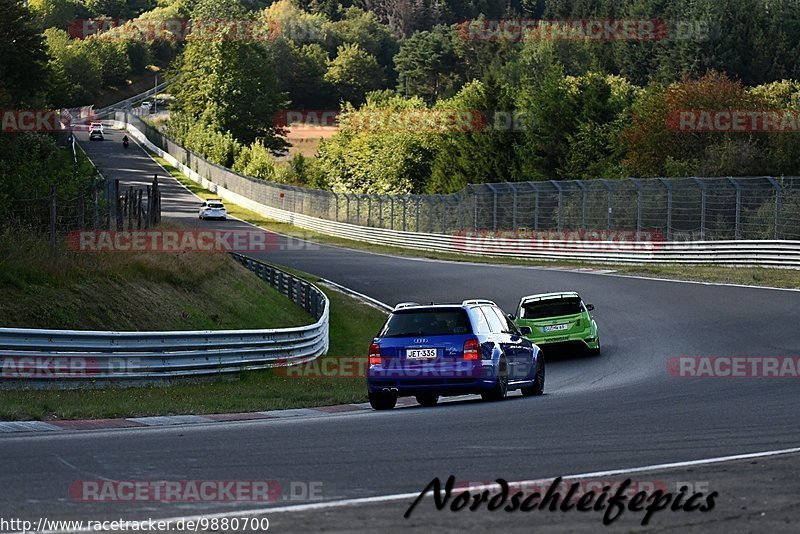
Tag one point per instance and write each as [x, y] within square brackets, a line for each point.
[374, 354]
[472, 349]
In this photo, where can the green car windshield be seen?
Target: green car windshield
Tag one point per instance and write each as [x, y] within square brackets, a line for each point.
[542, 309]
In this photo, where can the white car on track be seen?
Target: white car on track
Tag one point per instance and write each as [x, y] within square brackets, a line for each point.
[96, 131]
[213, 208]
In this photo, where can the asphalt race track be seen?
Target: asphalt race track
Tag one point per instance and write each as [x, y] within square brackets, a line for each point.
[621, 409]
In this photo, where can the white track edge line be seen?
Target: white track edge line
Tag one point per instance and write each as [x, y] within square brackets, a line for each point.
[403, 496]
[346, 290]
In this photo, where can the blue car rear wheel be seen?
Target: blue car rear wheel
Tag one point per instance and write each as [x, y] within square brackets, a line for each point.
[538, 385]
[500, 389]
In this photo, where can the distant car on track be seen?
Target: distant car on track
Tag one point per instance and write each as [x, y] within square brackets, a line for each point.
[559, 319]
[96, 131]
[213, 208]
[428, 351]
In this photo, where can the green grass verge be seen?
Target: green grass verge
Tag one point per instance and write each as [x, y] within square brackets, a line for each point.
[352, 326]
[785, 278]
[130, 291]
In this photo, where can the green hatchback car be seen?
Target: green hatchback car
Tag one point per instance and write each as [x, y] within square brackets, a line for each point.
[559, 319]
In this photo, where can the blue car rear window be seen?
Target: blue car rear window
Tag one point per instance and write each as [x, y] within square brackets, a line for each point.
[434, 322]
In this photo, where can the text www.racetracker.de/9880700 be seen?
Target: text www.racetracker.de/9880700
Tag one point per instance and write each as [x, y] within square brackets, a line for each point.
[198, 524]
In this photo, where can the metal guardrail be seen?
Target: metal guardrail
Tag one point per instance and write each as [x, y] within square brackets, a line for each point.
[125, 104]
[771, 253]
[78, 355]
[703, 209]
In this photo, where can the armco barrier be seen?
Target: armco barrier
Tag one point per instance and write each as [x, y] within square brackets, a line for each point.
[58, 356]
[767, 253]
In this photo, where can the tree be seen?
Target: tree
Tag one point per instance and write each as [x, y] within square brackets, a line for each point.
[54, 13]
[300, 70]
[256, 161]
[403, 16]
[366, 157]
[229, 84]
[546, 101]
[654, 142]
[76, 74]
[112, 56]
[354, 73]
[23, 57]
[484, 151]
[364, 29]
[427, 65]
[294, 24]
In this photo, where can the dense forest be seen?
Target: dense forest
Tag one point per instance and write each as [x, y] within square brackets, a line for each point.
[552, 102]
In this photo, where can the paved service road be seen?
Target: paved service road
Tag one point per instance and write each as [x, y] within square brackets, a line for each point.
[621, 409]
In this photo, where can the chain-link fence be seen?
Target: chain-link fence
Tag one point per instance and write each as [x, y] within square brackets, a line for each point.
[671, 208]
[100, 205]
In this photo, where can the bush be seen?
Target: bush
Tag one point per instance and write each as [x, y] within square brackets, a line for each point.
[257, 161]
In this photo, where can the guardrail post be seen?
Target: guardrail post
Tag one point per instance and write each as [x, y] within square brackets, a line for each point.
[430, 213]
[129, 206]
[336, 212]
[443, 208]
[380, 211]
[459, 216]
[96, 208]
[560, 189]
[535, 188]
[417, 198]
[474, 208]
[391, 212]
[118, 219]
[668, 186]
[149, 212]
[737, 225]
[702, 186]
[513, 207]
[585, 205]
[610, 202]
[139, 210]
[81, 210]
[298, 292]
[494, 206]
[639, 200]
[777, 220]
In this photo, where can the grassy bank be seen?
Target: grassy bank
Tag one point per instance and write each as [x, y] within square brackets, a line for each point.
[127, 291]
[785, 278]
[165, 292]
[352, 326]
